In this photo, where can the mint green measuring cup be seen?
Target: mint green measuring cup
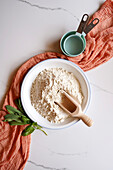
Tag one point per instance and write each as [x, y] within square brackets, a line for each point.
[73, 43]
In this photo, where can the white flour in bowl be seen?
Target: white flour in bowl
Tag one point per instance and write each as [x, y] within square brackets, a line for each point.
[44, 92]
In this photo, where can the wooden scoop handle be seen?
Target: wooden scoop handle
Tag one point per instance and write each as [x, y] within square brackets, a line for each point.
[88, 121]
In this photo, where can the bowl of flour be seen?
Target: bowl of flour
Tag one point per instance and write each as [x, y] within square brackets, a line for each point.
[43, 85]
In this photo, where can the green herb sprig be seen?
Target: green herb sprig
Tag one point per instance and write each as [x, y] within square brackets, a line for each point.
[19, 117]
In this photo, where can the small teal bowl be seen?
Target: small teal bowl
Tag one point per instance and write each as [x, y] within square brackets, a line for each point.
[62, 43]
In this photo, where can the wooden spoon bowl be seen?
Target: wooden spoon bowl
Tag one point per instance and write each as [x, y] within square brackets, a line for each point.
[72, 107]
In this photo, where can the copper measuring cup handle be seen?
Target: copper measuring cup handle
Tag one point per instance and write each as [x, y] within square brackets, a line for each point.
[89, 27]
[83, 23]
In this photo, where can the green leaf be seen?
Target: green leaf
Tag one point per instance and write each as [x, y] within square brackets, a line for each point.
[19, 105]
[7, 120]
[12, 110]
[43, 131]
[36, 126]
[17, 117]
[28, 130]
[25, 119]
[11, 117]
[13, 123]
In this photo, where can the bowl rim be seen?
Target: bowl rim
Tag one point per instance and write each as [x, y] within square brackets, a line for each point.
[84, 76]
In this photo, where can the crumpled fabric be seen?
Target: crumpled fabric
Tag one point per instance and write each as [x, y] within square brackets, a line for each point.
[99, 42]
[14, 148]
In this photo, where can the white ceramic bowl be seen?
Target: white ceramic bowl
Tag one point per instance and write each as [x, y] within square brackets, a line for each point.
[31, 75]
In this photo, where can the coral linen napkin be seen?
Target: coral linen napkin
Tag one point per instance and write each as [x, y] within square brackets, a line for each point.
[14, 148]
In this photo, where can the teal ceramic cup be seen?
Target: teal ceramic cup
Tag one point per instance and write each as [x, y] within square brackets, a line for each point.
[73, 43]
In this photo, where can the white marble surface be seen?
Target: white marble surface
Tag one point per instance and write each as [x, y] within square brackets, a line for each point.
[34, 26]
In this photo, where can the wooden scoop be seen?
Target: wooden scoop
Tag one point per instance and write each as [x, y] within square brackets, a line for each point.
[72, 107]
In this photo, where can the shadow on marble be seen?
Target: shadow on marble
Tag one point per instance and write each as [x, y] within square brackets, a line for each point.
[54, 46]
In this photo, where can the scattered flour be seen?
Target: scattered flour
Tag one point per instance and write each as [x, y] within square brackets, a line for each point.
[44, 92]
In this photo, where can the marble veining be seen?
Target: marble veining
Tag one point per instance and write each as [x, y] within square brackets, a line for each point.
[69, 154]
[48, 8]
[102, 89]
[45, 167]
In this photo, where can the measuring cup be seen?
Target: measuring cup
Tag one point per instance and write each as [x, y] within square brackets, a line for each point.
[73, 43]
